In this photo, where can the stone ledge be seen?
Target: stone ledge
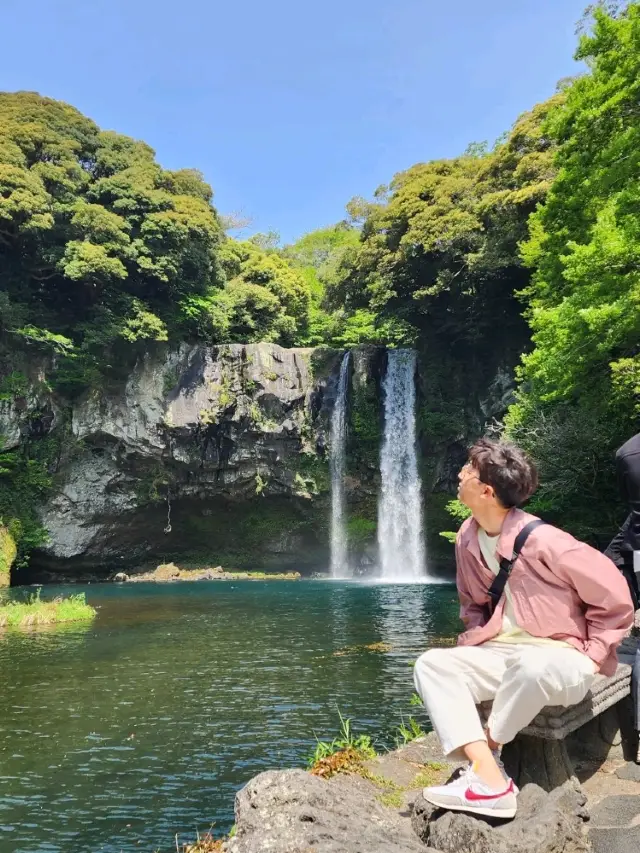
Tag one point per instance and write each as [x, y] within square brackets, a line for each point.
[556, 722]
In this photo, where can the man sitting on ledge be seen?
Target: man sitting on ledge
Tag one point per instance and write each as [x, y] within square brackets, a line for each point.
[538, 639]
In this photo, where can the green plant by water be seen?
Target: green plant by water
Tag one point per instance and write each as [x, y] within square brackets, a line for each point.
[34, 611]
[408, 731]
[346, 739]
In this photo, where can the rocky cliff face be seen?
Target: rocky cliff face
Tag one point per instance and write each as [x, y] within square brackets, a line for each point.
[206, 454]
[218, 455]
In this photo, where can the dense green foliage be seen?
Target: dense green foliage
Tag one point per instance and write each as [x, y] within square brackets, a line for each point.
[97, 242]
[35, 611]
[263, 299]
[101, 248]
[25, 482]
[439, 248]
[580, 385]
[322, 255]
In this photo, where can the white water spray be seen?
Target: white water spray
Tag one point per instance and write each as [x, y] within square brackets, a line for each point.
[339, 565]
[400, 534]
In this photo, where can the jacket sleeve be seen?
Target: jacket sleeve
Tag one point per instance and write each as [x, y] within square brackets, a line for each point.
[604, 591]
[472, 614]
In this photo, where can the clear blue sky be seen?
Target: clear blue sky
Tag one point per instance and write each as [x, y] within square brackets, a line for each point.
[291, 107]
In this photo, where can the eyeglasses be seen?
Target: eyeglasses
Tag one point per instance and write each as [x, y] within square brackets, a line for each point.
[469, 472]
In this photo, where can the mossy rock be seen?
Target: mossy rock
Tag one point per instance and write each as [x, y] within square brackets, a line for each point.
[8, 552]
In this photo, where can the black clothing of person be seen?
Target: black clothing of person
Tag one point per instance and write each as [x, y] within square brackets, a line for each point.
[627, 540]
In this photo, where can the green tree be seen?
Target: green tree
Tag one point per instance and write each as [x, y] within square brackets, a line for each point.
[97, 242]
[89, 217]
[264, 298]
[103, 251]
[583, 302]
[319, 255]
[439, 248]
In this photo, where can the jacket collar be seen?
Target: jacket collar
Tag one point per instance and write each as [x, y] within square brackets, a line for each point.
[513, 523]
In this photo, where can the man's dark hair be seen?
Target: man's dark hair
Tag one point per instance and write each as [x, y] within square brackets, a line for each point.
[506, 468]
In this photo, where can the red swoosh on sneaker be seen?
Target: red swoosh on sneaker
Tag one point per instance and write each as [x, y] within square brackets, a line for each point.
[473, 797]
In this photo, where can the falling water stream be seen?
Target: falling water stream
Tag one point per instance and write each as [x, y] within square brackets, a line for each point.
[339, 562]
[400, 533]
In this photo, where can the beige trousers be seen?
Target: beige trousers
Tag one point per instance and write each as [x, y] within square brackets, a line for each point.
[520, 679]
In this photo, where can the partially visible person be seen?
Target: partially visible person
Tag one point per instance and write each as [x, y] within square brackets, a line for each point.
[622, 546]
[538, 628]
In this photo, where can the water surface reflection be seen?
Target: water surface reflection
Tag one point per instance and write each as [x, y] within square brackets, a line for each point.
[117, 736]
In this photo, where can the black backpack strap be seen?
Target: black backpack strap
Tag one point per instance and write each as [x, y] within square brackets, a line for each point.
[497, 587]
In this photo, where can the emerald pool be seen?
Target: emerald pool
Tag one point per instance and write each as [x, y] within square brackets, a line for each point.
[118, 736]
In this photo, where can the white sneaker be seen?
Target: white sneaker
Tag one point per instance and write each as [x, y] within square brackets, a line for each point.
[501, 767]
[468, 793]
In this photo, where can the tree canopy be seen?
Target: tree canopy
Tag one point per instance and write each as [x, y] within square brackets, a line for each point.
[101, 248]
[91, 225]
[439, 246]
[581, 381]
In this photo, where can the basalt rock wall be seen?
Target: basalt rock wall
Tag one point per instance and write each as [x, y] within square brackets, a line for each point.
[219, 455]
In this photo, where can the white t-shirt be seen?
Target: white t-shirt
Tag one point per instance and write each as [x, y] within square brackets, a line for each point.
[511, 632]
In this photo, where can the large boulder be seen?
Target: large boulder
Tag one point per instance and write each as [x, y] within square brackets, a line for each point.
[291, 811]
[545, 823]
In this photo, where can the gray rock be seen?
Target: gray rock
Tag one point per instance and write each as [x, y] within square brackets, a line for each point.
[291, 811]
[545, 823]
[617, 811]
[176, 458]
[616, 840]
[630, 772]
[228, 440]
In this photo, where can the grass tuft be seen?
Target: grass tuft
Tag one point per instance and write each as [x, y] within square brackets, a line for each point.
[430, 775]
[203, 844]
[347, 760]
[391, 799]
[35, 612]
[408, 731]
[344, 754]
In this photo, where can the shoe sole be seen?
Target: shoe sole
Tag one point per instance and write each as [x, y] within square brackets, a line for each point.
[501, 813]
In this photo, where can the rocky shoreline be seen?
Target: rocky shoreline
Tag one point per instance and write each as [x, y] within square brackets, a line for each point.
[380, 809]
[170, 572]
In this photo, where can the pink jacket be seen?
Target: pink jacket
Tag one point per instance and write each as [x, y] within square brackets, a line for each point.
[561, 588]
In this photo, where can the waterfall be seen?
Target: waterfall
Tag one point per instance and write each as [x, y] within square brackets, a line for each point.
[400, 535]
[339, 567]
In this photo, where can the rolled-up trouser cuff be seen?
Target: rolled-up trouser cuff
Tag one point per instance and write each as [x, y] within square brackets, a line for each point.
[457, 753]
[500, 735]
